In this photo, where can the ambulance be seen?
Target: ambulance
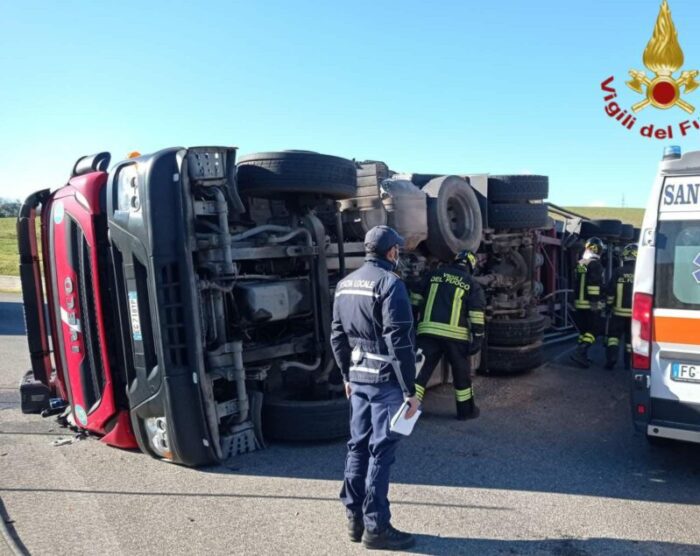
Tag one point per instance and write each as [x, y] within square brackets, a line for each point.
[666, 305]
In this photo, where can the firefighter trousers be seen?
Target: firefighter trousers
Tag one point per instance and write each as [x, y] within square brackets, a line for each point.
[588, 324]
[457, 354]
[619, 332]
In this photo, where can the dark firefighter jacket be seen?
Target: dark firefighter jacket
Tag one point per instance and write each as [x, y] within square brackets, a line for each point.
[372, 329]
[451, 305]
[619, 290]
[589, 283]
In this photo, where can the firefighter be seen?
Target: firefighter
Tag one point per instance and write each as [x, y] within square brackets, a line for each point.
[588, 304]
[451, 323]
[619, 301]
[372, 341]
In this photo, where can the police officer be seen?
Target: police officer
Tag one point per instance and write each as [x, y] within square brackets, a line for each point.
[451, 323]
[372, 340]
[588, 304]
[619, 303]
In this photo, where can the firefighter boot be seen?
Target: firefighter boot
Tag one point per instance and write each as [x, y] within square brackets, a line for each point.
[611, 353]
[580, 356]
[467, 410]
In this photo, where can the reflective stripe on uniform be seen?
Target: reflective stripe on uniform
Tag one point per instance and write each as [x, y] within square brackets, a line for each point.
[579, 304]
[420, 392]
[593, 290]
[587, 338]
[620, 312]
[463, 395]
[431, 301]
[456, 307]
[476, 317]
[363, 369]
[612, 342]
[416, 299]
[444, 330]
[366, 293]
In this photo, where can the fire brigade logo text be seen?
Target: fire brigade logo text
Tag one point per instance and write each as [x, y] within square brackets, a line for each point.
[663, 57]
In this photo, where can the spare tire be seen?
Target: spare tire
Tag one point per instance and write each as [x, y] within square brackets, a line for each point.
[296, 172]
[516, 332]
[284, 418]
[510, 360]
[454, 217]
[505, 189]
[518, 215]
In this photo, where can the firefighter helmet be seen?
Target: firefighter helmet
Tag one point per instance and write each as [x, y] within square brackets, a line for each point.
[629, 253]
[595, 245]
[466, 258]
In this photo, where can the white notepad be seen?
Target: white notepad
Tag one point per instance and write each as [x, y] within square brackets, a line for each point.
[400, 424]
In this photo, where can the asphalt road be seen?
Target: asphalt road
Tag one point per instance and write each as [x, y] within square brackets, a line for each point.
[550, 467]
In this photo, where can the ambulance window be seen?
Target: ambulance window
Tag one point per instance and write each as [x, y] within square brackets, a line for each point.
[678, 265]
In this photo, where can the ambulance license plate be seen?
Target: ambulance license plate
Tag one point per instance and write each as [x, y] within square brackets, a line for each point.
[683, 372]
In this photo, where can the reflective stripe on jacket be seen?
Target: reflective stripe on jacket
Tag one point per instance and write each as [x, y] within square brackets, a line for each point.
[619, 290]
[452, 305]
[589, 281]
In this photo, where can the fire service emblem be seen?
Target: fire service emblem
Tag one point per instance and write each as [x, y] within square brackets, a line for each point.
[663, 56]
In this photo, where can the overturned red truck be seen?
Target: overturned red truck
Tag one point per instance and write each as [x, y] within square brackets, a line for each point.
[188, 294]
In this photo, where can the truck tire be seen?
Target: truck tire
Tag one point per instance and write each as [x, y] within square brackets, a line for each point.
[284, 418]
[454, 217]
[296, 172]
[516, 332]
[627, 234]
[635, 237]
[608, 228]
[511, 360]
[588, 229]
[510, 189]
[518, 215]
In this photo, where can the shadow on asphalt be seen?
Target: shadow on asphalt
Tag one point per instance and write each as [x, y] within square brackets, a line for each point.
[11, 319]
[429, 544]
[558, 430]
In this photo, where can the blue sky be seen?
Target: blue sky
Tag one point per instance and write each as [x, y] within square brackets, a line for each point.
[451, 87]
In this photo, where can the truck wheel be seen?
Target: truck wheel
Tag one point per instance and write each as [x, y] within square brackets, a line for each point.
[296, 172]
[588, 229]
[516, 332]
[454, 217]
[518, 215]
[511, 360]
[285, 418]
[508, 189]
[627, 233]
[609, 228]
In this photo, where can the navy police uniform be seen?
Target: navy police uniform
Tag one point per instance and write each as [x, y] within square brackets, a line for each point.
[372, 341]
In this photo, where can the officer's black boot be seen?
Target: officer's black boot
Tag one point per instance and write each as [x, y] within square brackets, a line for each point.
[611, 357]
[356, 527]
[467, 410]
[389, 539]
[628, 360]
[580, 356]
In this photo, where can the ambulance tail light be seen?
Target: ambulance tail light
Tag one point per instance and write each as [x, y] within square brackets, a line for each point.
[641, 331]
